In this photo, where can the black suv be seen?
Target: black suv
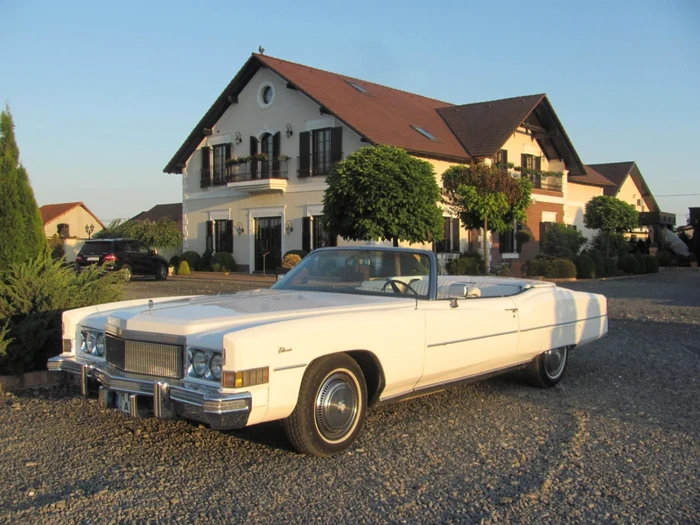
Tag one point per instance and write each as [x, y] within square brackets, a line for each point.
[119, 254]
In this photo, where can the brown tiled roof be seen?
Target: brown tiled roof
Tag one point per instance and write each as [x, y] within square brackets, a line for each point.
[172, 211]
[615, 172]
[484, 127]
[50, 211]
[383, 115]
[592, 178]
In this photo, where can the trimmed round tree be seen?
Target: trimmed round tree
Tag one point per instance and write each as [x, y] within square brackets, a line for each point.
[382, 192]
[610, 214]
[486, 196]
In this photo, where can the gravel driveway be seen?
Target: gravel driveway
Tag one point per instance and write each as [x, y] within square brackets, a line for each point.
[618, 440]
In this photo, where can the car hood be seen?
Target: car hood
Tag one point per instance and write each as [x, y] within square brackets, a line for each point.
[206, 313]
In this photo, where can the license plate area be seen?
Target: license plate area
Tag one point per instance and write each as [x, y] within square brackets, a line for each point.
[91, 259]
[124, 402]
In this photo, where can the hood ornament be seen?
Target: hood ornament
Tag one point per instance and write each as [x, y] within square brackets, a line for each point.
[150, 304]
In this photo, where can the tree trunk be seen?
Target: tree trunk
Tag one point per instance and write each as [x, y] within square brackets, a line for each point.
[396, 242]
[486, 245]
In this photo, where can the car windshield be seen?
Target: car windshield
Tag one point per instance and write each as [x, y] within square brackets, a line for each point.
[96, 248]
[361, 271]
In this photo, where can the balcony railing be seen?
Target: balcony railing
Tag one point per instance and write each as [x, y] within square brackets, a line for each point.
[255, 170]
[318, 165]
[546, 183]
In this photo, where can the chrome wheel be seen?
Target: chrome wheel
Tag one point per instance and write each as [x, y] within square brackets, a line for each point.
[337, 405]
[161, 273]
[554, 362]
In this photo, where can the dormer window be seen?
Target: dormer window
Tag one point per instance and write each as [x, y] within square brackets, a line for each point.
[424, 133]
[357, 86]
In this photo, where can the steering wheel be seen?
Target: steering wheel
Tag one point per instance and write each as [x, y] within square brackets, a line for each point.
[395, 287]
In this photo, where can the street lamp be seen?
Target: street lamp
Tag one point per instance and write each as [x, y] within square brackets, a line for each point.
[89, 229]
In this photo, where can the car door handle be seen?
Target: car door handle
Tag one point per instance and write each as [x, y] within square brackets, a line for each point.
[511, 310]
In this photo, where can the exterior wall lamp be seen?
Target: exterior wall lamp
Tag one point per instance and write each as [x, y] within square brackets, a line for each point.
[239, 229]
[289, 131]
[288, 228]
[89, 229]
[238, 138]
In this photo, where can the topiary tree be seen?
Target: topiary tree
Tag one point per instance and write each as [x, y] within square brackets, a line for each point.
[562, 242]
[161, 234]
[610, 215]
[382, 192]
[486, 196]
[21, 228]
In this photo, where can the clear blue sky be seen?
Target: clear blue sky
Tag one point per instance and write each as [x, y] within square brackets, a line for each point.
[103, 93]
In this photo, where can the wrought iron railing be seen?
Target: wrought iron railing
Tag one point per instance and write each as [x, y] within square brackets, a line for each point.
[548, 183]
[316, 164]
[245, 171]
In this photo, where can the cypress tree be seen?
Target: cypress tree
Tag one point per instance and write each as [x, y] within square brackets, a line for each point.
[21, 227]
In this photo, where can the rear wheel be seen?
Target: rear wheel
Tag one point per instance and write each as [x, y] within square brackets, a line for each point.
[161, 273]
[127, 272]
[330, 409]
[547, 369]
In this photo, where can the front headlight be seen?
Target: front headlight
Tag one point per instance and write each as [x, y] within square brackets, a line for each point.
[215, 366]
[204, 364]
[92, 342]
[199, 363]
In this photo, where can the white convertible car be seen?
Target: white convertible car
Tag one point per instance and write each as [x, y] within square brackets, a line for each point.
[346, 329]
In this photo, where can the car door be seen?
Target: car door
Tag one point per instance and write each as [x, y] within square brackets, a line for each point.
[477, 336]
[143, 254]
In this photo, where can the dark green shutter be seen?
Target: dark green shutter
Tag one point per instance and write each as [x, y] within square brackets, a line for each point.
[523, 161]
[253, 152]
[205, 180]
[210, 235]
[504, 157]
[336, 144]
[304, 154]
[229, 237]
[455, 235]
[538, 163]
[306, 234]
[276, 145]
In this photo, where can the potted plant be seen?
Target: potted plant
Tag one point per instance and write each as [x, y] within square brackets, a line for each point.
[281, 158]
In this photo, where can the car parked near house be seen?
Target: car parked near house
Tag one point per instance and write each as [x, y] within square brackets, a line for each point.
[346, 329]
[122, 254]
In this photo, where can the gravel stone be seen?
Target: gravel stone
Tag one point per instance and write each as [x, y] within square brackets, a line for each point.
[615, 441]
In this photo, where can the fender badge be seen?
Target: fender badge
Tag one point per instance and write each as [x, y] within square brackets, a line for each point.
[150, 304]
[282, 349]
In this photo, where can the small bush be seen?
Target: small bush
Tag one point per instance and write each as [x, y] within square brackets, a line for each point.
[585, 267]
[290, 260]
[599, 263]
[665, 258]
[463, 266]
[562, 242]
[300, 253]
[502, 270]
[174, 261]
[192, 259]
[651, 264]
[223, 262]
[184, 268]
[56, 247]
[206, 262]
[535, 267]
[33, 295]
[641, 261]
[628, 264]
[610, 266]
[618, 244]
[564, 268]
[550, 268]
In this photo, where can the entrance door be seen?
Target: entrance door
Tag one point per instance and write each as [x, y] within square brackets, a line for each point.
[268, 240]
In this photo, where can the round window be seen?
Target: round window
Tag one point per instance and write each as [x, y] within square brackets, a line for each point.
[267, 94]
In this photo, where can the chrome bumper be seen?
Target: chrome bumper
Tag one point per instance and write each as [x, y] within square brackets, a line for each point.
[171, 399]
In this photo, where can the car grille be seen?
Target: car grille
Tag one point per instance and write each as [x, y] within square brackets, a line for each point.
[152, 359]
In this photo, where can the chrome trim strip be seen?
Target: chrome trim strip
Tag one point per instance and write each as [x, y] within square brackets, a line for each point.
[146, 337]
[471, 339]
[564, 324]
[290, 367]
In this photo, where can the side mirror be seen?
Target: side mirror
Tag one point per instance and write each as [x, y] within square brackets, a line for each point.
[280, 276]
[457, 291]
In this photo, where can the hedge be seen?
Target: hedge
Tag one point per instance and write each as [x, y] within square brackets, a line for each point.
[552, 269]
[223, 262]
[192, 259]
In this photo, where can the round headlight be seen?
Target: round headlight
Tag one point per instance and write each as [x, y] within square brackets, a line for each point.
[199, 363]
[91, 341]
[100, 344]
[215, 366]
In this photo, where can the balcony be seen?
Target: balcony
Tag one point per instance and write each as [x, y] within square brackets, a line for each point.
[548, 183]
[251, 176]
[316, 165]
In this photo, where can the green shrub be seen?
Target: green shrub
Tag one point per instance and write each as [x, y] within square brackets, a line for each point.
[562, 242]
[564, 269]
[502, 270]
[33, 295]
[535, 267]
[550, 268]
[192, 259]
[174, 261]
[463, 266]
[585, 267]
[610, 266]
[56, 246]
[628, 264]
[206, 262]
[651, 264]
[223, 262]
[599, 263]
[300, 253]
[618, 244]
[665, 258]
[641, 261]
[184, 268]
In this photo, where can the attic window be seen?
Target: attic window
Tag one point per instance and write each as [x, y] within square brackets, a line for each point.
[424, 133]
[357, 86]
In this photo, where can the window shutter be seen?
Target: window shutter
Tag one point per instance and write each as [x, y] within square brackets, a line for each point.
[336, 144]
[523, 161]
[227, 151]
[253, 152]
[455, 235]
[206, 157]
[210, 235]
[304, 154]
[276, 145]
[538, 163]
[504, 156]
[229, 237]
[306, 234]
[205, 175]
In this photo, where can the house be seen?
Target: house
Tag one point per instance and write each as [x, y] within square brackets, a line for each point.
[70, 220]
[253, 167]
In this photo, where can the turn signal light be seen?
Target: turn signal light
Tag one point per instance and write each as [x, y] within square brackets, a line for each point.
[246, 378]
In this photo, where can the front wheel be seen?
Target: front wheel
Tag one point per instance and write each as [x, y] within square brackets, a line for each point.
[330, 409]
[161, 273]
[547, 369]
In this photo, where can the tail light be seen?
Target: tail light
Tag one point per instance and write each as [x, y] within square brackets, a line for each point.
[110, 257]
[79, 258]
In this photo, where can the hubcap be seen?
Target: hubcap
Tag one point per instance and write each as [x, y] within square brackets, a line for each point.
[554, 361]
[336, 406]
